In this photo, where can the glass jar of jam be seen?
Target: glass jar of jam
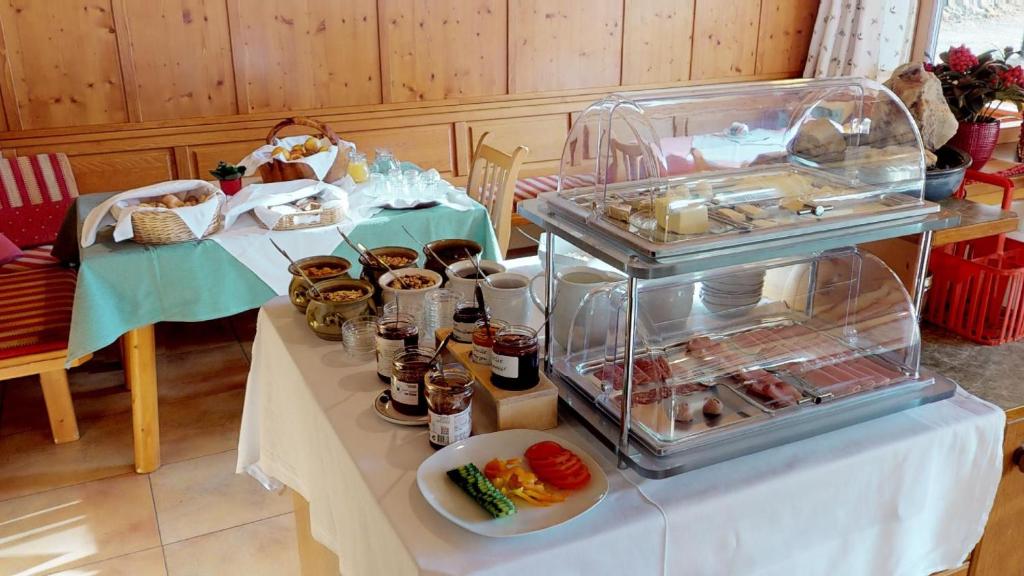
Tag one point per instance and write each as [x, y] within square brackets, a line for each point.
[449, 404]
[483, 340]
[395, 331]
[408, 372]
[464, 321]
[514, 358]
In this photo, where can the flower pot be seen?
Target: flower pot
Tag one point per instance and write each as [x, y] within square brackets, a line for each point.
[942, 180]
[231, 187]
[978, 139]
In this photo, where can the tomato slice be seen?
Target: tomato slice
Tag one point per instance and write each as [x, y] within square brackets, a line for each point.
[572, 481]
[493, 469]
[544, 449]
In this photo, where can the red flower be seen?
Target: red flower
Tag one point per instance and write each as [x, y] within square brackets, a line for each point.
[929, 67]
[961, 59]
[1012, 76]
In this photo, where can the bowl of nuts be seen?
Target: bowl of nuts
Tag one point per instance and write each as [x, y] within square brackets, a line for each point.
[317, 268]
[339, 300]
[396, 257]
[413, 284]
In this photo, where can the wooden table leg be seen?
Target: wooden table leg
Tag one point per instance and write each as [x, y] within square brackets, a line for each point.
[315, 558]
[140, 374]
[59, 406]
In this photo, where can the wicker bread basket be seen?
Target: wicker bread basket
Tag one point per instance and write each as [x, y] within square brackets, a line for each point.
[166, 227]
[280, 171]
[310, 219]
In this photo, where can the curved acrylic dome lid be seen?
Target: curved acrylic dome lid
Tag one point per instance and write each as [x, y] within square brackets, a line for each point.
[853, 133]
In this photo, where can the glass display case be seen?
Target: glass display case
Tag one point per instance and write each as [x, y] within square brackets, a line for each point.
[701, 260]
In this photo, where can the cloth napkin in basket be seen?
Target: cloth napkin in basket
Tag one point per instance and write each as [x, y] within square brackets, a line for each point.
[320, 162]
[118, 209]
[262, 198]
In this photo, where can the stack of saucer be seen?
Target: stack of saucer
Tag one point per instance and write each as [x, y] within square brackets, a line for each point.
[735, 291]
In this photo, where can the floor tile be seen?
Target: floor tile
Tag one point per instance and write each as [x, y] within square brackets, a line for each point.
[205, 495]
[78, 525]
[30, 462]
[175, 337]
[244, 325]
[146, 563]
[264, 548]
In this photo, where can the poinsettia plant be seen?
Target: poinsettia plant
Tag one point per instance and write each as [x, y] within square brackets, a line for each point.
[974, 86]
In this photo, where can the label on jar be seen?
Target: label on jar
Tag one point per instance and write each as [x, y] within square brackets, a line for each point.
[481, 355]
[405, 392]
[386, 350]
[463, 331]
[447, 429]
[507, 366]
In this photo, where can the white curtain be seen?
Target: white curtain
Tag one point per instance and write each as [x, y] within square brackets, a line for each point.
[867, 38]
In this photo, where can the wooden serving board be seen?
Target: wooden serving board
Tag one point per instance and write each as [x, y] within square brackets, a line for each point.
[497, 409]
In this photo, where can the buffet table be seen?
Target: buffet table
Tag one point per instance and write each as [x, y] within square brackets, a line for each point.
[908, 494]
[124, 288]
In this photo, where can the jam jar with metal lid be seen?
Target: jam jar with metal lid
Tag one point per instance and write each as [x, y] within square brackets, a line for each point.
[395, 331]
[483, 340]
[464, 321]
[408, 373]
[449, 390]
[515, 359]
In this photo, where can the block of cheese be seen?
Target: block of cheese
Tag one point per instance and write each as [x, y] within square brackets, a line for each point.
[618, 211]
[679, 216]
[752, 211]
[792, 204]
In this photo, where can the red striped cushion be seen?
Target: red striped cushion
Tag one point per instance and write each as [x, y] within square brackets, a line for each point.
[35, 311]
[35, 192]
[527, 188]
[32, 259]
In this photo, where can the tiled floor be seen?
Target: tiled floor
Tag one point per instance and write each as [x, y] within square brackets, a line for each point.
[79, 509]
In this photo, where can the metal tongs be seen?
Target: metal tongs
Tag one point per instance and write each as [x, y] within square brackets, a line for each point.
[312, 287]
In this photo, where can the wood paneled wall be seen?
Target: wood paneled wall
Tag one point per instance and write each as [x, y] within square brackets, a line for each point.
[98, 78]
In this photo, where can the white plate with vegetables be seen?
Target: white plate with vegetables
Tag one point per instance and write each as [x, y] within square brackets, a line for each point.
[556, 482]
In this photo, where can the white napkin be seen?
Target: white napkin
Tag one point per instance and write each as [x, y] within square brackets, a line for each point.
[320, 162]
[120, 207]
[260, 197]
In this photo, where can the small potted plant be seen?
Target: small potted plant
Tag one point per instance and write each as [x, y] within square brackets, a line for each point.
[229, 176]
[974, 86]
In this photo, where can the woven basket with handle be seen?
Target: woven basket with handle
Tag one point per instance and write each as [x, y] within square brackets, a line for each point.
[166, 227]
[310, 219]
[280, 171]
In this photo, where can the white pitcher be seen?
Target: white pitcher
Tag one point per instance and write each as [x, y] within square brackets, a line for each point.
[571, 285]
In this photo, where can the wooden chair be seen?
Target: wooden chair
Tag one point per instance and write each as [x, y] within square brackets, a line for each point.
[492, 182]
[36, 293]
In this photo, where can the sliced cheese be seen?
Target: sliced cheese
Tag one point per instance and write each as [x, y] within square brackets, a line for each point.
[732, 214]
[752, 211]
[619, 211]
[763, 223]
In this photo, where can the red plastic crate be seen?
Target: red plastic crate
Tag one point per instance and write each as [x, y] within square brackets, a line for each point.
[978, 289]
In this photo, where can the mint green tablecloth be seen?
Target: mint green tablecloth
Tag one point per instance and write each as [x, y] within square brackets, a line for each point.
[126, 285]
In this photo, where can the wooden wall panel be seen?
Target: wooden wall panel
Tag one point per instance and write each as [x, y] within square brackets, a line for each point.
[122, 171]
[441, 49]
[543, 135]
[61, 65]
[784, 35]
[205, 157]
[305, 54]
[656, 41]
[192, 76]
[428, 146]
[724, 38]
[564, 45]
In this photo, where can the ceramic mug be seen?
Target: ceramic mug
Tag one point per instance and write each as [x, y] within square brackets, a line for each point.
[508, 297]
[465, 286]
[571, 285]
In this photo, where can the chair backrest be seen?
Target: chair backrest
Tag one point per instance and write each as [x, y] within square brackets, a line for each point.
[35, 192]
[492, 182]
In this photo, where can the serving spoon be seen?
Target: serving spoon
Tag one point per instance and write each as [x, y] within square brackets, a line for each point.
[302, 272]
[432, 252]
[362, 251]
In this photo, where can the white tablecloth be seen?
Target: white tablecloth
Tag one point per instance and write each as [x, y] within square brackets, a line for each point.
[908, 494]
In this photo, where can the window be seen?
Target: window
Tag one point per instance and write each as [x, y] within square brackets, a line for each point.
[981, 25]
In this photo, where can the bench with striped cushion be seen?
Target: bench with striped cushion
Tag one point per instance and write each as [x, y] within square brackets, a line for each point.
[35, 311]
[32, 259]
[527, 188]
[35, 192]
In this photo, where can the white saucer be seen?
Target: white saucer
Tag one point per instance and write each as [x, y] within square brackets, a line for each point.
[382, 404]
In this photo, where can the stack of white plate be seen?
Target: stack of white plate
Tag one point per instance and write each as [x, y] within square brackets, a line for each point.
[732, 292]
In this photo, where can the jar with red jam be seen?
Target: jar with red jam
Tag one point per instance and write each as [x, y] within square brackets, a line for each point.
[483, 340]
[449, 404]
[515, 359]
[395, 331]
[408, 373]
[464, 321]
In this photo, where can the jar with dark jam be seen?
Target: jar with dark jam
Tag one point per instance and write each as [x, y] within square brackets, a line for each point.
[449, 404]
[464, 321]
[483, 340]
[408, 373]
[515, 361]
[395, 331]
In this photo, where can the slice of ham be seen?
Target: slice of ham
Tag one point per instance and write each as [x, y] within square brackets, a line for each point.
[774, 390]
[645, 370]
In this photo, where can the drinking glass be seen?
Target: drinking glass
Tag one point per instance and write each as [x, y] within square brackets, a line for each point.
[358, 335]
[430, 184]
[411, 184]
[440, 308]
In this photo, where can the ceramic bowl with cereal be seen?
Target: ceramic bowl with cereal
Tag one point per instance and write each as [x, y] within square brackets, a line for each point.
[396, 257]
[317, 268]
[339, 300]
[413, 284]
